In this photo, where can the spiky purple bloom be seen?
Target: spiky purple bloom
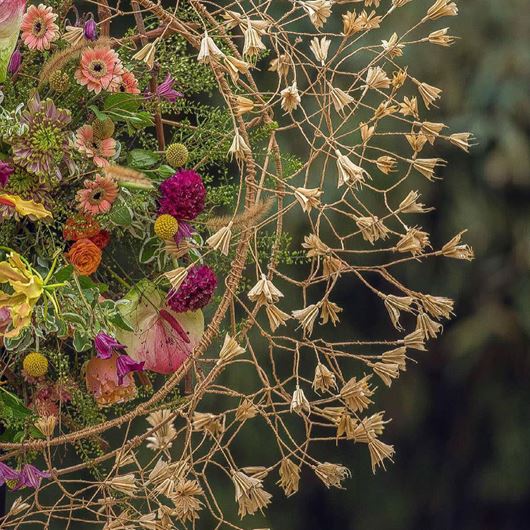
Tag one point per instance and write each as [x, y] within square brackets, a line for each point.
[90, 29]
[43, 147]
[125, 365]
[30, 477]
[106, 345]
[14, 62]
[166, 91]
[5, 172]
[7, 473]
[196, 290]
[183, 195]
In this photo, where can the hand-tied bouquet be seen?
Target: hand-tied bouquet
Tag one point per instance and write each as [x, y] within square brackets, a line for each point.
[145, 176]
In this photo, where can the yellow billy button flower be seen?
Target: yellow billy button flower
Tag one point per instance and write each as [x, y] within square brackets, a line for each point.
[177, 155]
[166, 226]
[35, 364]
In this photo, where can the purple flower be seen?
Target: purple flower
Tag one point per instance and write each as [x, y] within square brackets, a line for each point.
[7, 473]
[166, 91]
[125, 365]
[183, 195]
[15, 62]
[45, 144]
[196, 290]
[184, 231]
[5, 172]
[30, 477]
[106, 345]
[90, 29]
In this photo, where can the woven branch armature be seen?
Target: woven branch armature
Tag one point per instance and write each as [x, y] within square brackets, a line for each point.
[124, 406]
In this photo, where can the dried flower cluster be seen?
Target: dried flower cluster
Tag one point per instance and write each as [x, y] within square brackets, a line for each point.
[348, 97]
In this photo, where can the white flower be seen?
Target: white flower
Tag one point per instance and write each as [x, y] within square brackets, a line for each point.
[208, 50]
[290, 98]
[320, 48]
[264, 291]
[299, 403]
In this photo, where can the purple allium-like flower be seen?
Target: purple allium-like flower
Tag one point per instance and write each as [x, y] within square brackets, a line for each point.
[106, 345]
[90, 29]
[7, 473]
[43, 147]
[14, 62]
[5, 172]
[125, 365]
[183, 195]
[166, 91]
[195, 292]
[30, 477]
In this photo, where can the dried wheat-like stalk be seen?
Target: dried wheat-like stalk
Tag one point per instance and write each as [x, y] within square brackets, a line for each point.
[349, 99]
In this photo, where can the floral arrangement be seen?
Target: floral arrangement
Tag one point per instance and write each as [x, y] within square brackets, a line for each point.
[154, 165]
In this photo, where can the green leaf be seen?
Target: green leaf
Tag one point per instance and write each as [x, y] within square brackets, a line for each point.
[121, 214]
[14, 404]
[74, 318]
[122, 323]
[142, 158]
[20, 343]
[64, 274]
[148, 250]
[122, 102]
[99, 115]
[165, 171]
[86, 282]
[82, 342]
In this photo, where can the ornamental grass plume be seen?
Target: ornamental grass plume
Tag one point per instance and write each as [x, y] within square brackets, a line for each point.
[151, 258]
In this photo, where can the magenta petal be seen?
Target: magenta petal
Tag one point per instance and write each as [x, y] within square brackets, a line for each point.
[7, 473]
[30, 477]
[106, 345]
[125, 365]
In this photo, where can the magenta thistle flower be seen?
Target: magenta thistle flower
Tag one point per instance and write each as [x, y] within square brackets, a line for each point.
[166, 91]
[30, 477]
[183, 195]
[5, 172]
[7, 473]
[195, 292]
[14, 62]
[106, 345]
[43, 147]
[125, 365]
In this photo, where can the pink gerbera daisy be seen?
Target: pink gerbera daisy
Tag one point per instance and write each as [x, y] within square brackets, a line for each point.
[38, 28]
[129, 83]
[92, 147]
[100, 69]
[97, 196]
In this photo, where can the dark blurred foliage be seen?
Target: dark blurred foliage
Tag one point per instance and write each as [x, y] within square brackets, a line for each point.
[461, 416]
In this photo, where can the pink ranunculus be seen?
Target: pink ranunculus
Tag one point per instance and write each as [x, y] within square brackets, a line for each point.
[162, 339]
[102, 381]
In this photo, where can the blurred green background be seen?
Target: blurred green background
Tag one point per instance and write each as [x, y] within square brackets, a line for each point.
[461, 417]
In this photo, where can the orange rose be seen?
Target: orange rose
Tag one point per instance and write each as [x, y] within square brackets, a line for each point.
[85, 256]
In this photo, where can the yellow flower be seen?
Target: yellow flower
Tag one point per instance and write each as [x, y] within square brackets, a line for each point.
[166, 226]
[30, 208]
[27, 288]
[35, 364]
